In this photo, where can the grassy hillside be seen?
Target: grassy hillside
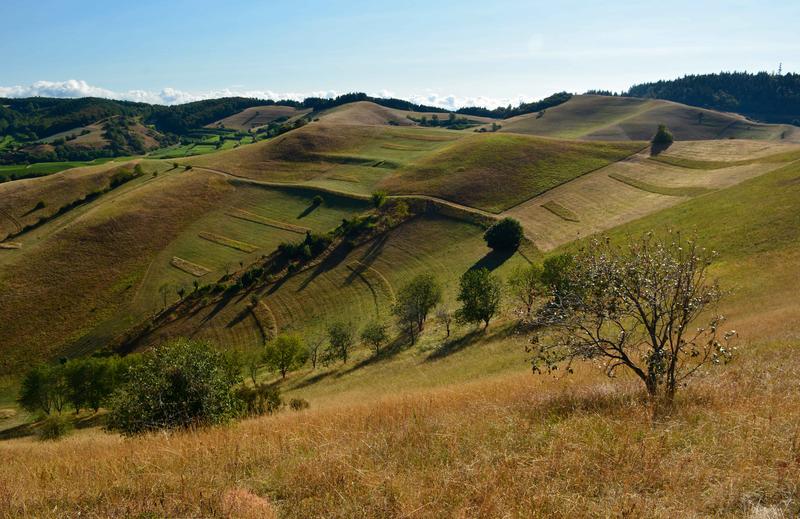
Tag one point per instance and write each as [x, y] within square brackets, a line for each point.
[626, 118]
[257, 116]
[487, 171]
[356, 286]
[368, 113]
[341, 157]
[454, 426]
[641, 185]
[496, 171]
[493, 439]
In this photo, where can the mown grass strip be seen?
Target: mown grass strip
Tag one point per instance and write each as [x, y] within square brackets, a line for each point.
[560, 211]
[189, 267]
[660, 190]
[682, 162]
[228, 242]
[255, 218]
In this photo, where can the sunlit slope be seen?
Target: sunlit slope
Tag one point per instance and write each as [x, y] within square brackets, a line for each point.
[349, 158]
[257, 116]
[496, 171]
[20, 200]
[641, 185]
[627, 118]
[488, 171]
[368, 113]
[755, 228]
[355, 286]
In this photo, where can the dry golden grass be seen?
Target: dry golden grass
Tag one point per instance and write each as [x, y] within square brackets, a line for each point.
[189, 267]
[516, 446]
[74, 272]
[255, 218]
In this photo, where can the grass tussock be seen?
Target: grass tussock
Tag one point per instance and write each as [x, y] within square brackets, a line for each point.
[518, 446]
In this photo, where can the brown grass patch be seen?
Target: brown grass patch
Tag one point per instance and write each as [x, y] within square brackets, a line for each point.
[255, 218]
[515, 446]
[189, 267]
[227, 242]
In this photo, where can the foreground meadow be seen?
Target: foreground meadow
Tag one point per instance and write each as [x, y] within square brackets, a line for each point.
[514, 445]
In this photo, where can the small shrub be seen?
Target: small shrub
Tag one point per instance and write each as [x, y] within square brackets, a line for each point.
[54, 427]
[298, 404]
[259, 399]
[317, 201]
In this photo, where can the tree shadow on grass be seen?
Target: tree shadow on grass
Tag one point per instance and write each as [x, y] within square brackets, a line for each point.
[656, 148]
[456, 344]
[307, 211]
[31, 428]
[398, 345]
[239, 317]
[329, 263]
[492, 260]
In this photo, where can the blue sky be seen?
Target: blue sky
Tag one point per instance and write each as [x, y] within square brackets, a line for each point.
[441, 52]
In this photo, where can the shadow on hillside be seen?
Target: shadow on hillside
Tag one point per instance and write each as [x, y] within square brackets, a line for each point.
[330, 262]
[456, 344]
[239, 317]
[308, 210]
[31, 428]
[390, 350]
[492, 260]
[226, 298]
[374, 250]
[656, 148]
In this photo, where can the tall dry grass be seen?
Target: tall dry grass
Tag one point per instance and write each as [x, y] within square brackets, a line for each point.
[514, 446]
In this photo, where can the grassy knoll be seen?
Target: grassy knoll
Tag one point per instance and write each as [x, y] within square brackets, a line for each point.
[496, 171]
[692, 163]
[257, 116]
[621, 118]
[759, 244]
[577, 445]
[371, 114]
[340, 157]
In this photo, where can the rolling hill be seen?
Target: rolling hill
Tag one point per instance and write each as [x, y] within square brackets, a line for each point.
[257, 116]
[626, 118]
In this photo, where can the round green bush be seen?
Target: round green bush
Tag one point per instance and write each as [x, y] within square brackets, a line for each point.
[504, 235]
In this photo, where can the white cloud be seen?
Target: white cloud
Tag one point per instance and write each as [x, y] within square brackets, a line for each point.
[74, 88]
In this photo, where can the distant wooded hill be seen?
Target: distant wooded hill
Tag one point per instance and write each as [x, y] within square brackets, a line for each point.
[764, 96]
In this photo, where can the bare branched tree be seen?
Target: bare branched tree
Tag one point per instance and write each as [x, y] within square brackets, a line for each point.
[633, 307]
